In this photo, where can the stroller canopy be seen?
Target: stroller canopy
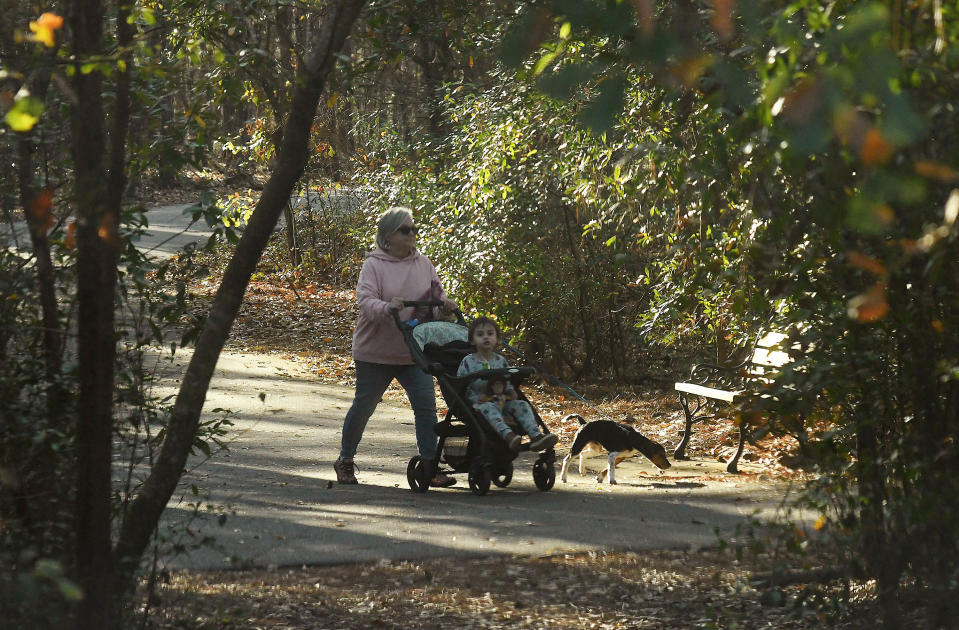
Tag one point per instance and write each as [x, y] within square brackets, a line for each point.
[440, 333]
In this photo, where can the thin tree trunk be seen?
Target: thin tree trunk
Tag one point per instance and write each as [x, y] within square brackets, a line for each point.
[581, 293]
[882, 562]
[37, 211]
[121, 114]
[96, 277]
[292, 156]
[872, 495]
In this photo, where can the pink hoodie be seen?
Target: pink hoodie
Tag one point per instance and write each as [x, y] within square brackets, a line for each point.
[383, 277]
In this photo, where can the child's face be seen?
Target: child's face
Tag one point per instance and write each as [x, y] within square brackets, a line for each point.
[484, 337]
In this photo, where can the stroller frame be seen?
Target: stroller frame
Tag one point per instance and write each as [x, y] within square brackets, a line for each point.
[467, 443]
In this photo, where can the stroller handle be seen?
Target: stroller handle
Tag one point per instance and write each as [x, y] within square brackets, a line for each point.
[427, 304]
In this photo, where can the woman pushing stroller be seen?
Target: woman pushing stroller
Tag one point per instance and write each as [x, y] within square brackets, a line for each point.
[494, 405]
[393, 272]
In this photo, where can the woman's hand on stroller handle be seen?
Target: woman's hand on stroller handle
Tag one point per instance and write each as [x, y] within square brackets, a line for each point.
[447, 306]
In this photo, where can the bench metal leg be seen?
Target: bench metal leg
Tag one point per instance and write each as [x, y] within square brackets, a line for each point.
[733, 465]
[680, 452]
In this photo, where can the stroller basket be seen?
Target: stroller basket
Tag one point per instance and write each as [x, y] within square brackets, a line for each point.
[456, 447]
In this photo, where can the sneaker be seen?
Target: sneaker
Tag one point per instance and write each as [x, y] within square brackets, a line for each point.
[344, 470]
[513, 441]
[543, 442]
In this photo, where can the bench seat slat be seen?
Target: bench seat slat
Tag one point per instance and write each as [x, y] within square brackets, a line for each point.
[709, 392]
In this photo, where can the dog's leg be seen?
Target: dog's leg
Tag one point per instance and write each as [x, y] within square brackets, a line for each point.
[582, 456]
[612, 468]
[609, 470]
[562, 474]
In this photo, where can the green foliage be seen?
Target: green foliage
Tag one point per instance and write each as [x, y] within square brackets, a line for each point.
[35, 458]
[38, 418]
[835, 191]
[509, 200]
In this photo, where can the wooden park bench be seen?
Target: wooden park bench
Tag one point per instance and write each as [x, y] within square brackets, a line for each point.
[712, 387]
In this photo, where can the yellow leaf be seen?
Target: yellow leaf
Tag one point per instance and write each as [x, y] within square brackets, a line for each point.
[820, 523]
[331, 102]
[43, 34]
[19, 120]
[25, 113]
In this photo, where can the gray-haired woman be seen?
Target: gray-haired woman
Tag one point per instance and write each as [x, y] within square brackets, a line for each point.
[395, 271]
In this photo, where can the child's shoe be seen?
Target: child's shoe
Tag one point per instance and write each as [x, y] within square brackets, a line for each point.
[542, 442]
[513, 441]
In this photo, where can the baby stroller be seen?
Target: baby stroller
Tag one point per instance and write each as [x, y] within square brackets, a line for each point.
[466, 441]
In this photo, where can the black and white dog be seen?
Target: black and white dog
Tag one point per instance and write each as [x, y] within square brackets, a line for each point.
[620, 440]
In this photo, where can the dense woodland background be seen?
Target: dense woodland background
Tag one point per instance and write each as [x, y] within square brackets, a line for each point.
[626, 185]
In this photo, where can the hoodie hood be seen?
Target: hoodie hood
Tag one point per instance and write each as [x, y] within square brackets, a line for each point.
[381, 254]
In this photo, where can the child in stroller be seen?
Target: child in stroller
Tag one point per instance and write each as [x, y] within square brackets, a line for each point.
[467, 441]
[484, 335]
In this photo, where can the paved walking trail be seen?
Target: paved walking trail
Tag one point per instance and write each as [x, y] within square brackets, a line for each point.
[286, 509]
[168, 233]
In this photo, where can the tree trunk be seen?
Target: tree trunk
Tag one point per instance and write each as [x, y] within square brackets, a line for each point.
[291, 244]
[872, 497]
[96, 277]
[582, 292]
[145, 511]
[37, 208]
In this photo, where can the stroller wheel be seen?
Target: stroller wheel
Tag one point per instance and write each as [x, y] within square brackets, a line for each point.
[418, 474]
[503, 476]
[479, 478]
[544, 475]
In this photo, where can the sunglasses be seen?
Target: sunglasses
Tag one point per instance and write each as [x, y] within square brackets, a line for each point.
[406, 229]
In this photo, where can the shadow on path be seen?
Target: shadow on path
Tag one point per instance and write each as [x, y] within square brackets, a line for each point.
[287, 510]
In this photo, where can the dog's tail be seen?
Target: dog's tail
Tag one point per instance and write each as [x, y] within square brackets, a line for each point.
[578, 417]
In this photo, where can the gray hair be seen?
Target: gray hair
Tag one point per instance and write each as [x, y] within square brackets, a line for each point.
[389, 222]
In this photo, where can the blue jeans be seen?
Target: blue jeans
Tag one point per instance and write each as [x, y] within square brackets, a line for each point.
[372, 379]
